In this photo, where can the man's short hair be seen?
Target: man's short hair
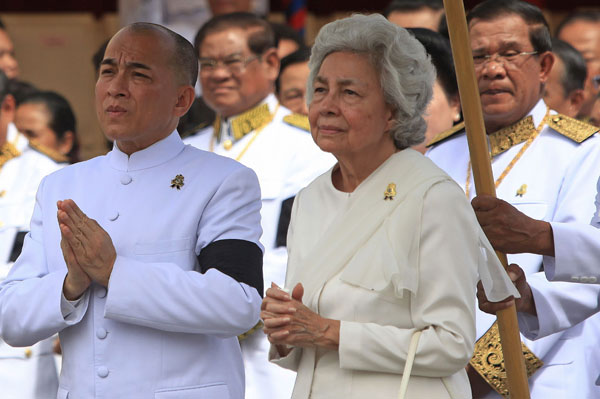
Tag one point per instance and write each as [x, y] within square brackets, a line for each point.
[284, 31]
[411, 5]
[539, 32]
[183, 60]
[4, 87]
[592, 16]
[20, 90]
[298, 56]
[258, 42]
[575, 70]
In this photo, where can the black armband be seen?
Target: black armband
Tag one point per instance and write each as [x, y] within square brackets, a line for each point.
[17, 246]
[239, 259]
[284, 222]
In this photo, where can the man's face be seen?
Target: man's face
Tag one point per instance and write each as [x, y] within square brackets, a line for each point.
[585, 37]
[8, 62]
[508, 89]
[554, 93]
[240, 79]
[292, 87]
[136, 92]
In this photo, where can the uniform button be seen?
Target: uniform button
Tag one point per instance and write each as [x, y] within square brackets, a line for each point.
[101, 333]
[125, 179]
[100, 292]
[113, 216]
[592, 279]
[575, 279]
[102, 371]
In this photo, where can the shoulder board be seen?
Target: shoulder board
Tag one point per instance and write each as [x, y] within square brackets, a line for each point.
[574, 129]
[448, 133]
[488, 360]
[297, 120]
[49, 152]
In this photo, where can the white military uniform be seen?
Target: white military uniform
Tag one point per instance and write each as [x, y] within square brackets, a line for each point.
[286, 159]
[553, 180]
[25, 373]
[162, 329]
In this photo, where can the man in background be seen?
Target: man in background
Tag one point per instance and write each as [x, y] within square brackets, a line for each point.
[238, 69]
[581, 29]
[564, 90]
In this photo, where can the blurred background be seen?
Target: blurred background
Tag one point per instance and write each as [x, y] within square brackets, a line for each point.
[55, 41]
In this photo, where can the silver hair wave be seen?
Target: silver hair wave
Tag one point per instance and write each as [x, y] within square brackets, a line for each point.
[406, 74]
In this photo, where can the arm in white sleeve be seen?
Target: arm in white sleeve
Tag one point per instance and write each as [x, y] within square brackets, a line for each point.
[444, 305]
[167, 297]
[31, 296]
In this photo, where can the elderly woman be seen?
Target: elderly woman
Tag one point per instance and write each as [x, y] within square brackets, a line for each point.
[384, 244]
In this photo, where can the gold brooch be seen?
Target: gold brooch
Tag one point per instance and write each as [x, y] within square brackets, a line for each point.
[390, 192]
[2, 193]
[177, 182]
[522, 190]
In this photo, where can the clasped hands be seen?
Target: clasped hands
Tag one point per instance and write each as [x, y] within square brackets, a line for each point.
[87, 249]
[288, 322]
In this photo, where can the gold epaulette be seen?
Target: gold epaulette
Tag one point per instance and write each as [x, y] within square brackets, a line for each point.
[505, 138]
[445, 134]
[297, 120]
[8, 151]
[488, 360]
[248, 333]
[250, 120]
[49, 152]
[574, 129]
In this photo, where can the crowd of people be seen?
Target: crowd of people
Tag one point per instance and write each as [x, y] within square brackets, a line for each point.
[277, 220]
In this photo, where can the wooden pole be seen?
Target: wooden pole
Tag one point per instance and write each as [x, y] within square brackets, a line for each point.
[508, 325]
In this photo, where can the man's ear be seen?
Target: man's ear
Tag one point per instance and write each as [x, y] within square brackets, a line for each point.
[546, 62]
[576, 98]
[185, 98]
[66, 143]
[9, 106]
[271, 60]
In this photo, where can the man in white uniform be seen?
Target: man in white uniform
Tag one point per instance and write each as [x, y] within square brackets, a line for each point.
[152, 265]
[30, 372]
[238, 69]
[544, 164]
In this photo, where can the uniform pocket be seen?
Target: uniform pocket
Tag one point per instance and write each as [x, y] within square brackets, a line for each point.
[208, 391]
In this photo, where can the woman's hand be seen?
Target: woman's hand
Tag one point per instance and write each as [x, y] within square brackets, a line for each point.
[288, 322]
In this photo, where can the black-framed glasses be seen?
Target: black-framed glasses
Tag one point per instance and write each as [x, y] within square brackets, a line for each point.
[235, 63]
[506, 58]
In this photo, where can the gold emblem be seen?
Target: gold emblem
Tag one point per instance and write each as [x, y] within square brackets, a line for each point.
[522, 190]
[177, 182]
[28, 353]
[390, 192]
[227, 144]
[2, 193]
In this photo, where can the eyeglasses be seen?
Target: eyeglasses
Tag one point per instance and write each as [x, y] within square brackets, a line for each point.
[508, 58]
[234, 64]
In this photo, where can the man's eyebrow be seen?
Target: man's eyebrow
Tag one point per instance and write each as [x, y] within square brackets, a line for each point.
[132, 65]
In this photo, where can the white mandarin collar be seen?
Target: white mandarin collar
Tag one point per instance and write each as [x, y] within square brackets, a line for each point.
[158, 153]
[538, 112]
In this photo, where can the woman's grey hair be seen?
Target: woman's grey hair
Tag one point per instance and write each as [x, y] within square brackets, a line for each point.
[405, 71]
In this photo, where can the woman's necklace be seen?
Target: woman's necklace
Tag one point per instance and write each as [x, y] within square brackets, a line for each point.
[512, 163]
